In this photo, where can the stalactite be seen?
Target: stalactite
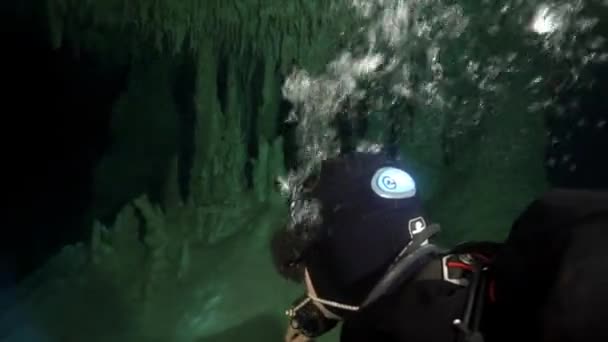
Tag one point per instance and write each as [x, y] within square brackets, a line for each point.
[172, 198]
[269, 109]
[234, 141]
[185, 260]
[207, 124]
[236, 23]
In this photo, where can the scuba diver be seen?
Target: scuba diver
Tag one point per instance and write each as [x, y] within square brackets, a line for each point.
[370, 263]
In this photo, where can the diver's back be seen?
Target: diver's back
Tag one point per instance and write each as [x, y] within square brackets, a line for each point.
[551, 275]
[577, 307]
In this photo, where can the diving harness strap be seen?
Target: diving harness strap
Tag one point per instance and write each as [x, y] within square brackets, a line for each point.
[469, 324]
[417, 255]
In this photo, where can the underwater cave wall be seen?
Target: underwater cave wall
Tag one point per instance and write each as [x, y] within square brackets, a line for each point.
[240, 52]
[169, 218]
[239, 55]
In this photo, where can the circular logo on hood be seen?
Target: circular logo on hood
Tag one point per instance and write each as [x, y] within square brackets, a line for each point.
[390, 182]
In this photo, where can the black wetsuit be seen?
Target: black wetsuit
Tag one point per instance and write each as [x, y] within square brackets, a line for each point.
[422, 311]
[549, 284]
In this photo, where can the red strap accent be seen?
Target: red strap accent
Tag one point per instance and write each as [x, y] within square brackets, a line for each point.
[460, 265]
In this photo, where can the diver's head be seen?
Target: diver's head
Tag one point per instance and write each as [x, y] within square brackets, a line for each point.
[286, 248]
[370, 212]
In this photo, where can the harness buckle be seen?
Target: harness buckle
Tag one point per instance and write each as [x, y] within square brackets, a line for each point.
[457, 275]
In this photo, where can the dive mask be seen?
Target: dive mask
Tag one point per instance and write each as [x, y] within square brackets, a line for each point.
[308, 319]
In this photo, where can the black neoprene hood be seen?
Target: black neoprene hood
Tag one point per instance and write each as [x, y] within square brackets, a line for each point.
[363, 228]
